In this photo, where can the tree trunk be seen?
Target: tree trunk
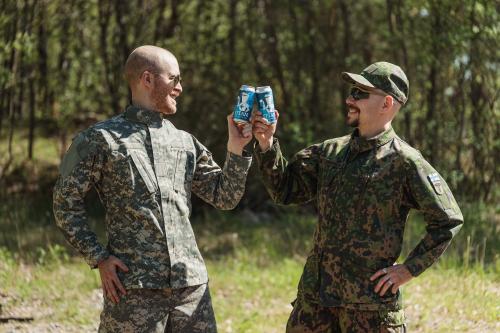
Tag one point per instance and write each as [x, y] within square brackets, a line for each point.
[43, 79]
[162, 4]
[233, 32]
[313, 112]
[31, 87]
[346, 47]
[121, 10]
[104, 17]
[400, 54]
[32, 120]
[273, 50]
[431, 117]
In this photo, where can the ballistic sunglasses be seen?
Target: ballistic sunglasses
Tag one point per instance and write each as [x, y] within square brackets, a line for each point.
[358, 93]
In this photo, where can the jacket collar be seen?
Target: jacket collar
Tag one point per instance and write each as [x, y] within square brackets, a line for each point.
[142, 115]
[359, 144]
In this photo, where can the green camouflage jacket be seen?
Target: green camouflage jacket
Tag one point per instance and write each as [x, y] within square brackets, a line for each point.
[364, 190]
[144, 170]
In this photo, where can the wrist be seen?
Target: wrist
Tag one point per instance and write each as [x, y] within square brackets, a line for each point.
[234, 150]
[265, 145]
[102, 259]
[408, 271]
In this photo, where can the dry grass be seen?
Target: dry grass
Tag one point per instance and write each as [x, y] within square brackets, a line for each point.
[254, 266]
[64, 296]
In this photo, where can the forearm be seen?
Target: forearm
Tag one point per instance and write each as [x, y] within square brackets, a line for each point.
[272, 166]
[432, 246]
[223, 188]
[287, 183]
[429, 193]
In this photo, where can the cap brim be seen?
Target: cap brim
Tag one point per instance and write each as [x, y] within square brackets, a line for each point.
[356, 79]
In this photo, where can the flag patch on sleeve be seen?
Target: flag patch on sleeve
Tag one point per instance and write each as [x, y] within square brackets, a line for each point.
[436, 182]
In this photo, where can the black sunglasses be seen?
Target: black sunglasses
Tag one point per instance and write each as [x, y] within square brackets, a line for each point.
[357, 93]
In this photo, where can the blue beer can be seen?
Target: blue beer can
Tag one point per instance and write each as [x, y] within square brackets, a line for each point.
[243, 109]
[266, 103]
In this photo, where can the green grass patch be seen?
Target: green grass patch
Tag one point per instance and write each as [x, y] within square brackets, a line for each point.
[251, 298]
[56, 289]
[254, 263]
[247, 295]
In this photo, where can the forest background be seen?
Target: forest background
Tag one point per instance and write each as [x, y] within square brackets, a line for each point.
[62, 71]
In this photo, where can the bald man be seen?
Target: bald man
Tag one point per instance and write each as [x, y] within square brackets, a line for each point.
[144, 170]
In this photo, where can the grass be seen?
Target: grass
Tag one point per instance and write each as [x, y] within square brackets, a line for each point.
[454, 300]
[54, 290]
[251, 298]
[254, 264]
[247, 296]
[441, 300]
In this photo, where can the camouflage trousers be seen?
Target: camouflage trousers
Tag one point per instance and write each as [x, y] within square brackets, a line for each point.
[186, 310]
[314, 318]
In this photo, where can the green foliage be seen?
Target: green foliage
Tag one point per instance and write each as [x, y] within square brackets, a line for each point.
[53, 255]
[72, 53]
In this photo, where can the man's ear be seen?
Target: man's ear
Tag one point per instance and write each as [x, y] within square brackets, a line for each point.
[388, 103]
[147, 79]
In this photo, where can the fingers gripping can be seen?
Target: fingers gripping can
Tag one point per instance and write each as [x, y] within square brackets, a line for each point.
[266, 103]
[243, 109]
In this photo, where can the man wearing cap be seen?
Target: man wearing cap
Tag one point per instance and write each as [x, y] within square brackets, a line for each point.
[364, 185]
[144, 170]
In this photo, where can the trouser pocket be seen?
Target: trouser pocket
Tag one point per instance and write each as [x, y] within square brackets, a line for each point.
[392, 321]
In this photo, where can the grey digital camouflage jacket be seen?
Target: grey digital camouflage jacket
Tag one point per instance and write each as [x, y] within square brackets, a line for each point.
[364, 190]
[144, 170]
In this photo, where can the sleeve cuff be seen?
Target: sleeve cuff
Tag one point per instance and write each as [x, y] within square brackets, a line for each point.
[237, 162]
[414, 269]
[270, 153]
[93, 261]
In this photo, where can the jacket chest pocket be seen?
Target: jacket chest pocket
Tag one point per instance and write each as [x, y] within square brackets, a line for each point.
[329, 174]
[383, 189]
[183, 172]
[130, 171]
[330, 171]
[180, 178]
[144, 168]
[174, 169]
[378, 205]
[351, 188]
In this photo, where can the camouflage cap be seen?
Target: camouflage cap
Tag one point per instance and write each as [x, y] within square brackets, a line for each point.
[384, 76]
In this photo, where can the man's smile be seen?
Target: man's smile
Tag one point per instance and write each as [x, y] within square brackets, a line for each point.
[352, 109]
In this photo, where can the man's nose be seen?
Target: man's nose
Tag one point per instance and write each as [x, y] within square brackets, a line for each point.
[178, 87]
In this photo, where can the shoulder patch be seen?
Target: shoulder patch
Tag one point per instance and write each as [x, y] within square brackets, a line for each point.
[436, 182]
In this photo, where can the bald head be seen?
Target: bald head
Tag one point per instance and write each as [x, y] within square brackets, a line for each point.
[147, 58]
